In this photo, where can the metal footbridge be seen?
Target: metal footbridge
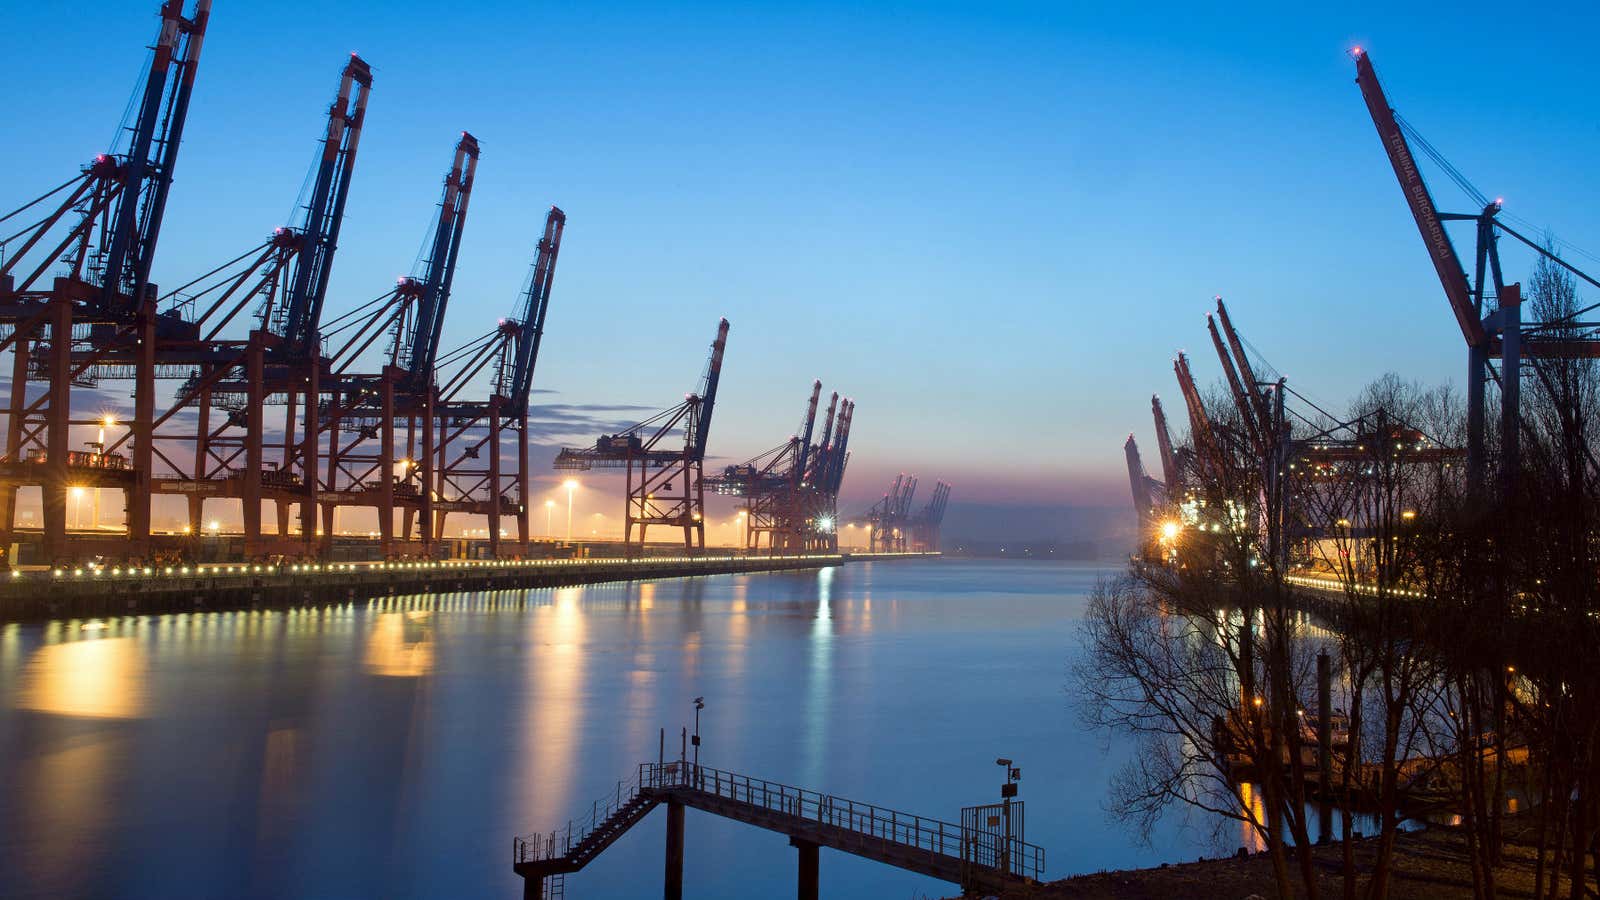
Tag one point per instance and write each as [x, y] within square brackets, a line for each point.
[984, 853]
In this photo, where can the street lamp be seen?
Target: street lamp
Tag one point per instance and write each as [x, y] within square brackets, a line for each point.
[1008, 791]
[106, 421]
[77, 506]
[571, 485]
[699, 704]
[549, 508]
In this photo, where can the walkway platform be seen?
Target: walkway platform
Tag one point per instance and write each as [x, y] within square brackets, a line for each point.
[975, 857]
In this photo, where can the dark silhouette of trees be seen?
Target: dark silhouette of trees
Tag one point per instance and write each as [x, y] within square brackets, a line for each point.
[1463, 624]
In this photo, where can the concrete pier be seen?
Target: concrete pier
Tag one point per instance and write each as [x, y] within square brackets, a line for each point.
[58, 593]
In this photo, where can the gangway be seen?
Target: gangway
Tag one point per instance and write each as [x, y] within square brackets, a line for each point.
[977, 857]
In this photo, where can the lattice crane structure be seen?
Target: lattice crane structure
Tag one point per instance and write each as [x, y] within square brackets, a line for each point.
[664, 483]
[791, 492]
[1487, 309]
[97, 316]
[471, 476]
[271, 394]
[925, 525]
[361, 461]
[889, 520]
[1261, 432]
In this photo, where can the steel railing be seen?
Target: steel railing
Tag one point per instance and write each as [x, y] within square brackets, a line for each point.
[561, 842]
[864, 820]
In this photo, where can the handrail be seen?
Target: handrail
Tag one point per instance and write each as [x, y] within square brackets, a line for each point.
[562, 841]
[866, 820]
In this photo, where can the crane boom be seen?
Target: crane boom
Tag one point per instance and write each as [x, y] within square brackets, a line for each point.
[324, 214]
[708, 391]
[433, 288]
[535, 304]
[910, 494]
[1169, 460]
[1246, 412]
[1204, 438]
[841, 446]
[146, 173]
[1445, 260]
[823, 458]
[1246, 374]
[806, 429]
[1136, 482]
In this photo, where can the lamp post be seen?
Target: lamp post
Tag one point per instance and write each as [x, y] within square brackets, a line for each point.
[1007, 792]
[106, 421]
[549, 508]
[571, 485]
[77, 507]
[699, 704]
[744, 529]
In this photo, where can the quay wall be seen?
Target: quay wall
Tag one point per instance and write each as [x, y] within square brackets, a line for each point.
[77, 593]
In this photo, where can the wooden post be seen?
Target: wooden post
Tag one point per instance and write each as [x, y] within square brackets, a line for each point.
[672, 886]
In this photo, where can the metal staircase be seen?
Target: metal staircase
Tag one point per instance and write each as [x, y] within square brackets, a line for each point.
[571, 848]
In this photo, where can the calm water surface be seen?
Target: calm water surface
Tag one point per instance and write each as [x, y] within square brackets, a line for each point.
[393, 750]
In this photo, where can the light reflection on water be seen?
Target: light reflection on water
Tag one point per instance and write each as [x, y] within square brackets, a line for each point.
[393, 749]
[90, 677]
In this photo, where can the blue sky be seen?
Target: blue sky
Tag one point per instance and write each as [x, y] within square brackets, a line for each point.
[990, 224]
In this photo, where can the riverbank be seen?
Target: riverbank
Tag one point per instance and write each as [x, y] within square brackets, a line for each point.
[1430, 864]
[28, 596]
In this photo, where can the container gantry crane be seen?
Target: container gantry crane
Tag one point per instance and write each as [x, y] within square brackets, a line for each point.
[1500, 333]
[358, 462]
[1156, 501]
[103, 226]
[230, 384]
[1259, 440]
[467, 482]
[825, 473]
[1145, 489]
[654, 468]
[1171, 470]
[925, 525]
[790, 492]
[769, 483]
[888, 521]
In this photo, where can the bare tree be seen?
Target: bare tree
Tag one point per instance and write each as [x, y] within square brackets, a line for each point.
[1551, 561]
[1369, 490]
[1204, 662]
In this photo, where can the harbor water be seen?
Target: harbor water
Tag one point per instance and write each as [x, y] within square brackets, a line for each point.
[394, 748]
